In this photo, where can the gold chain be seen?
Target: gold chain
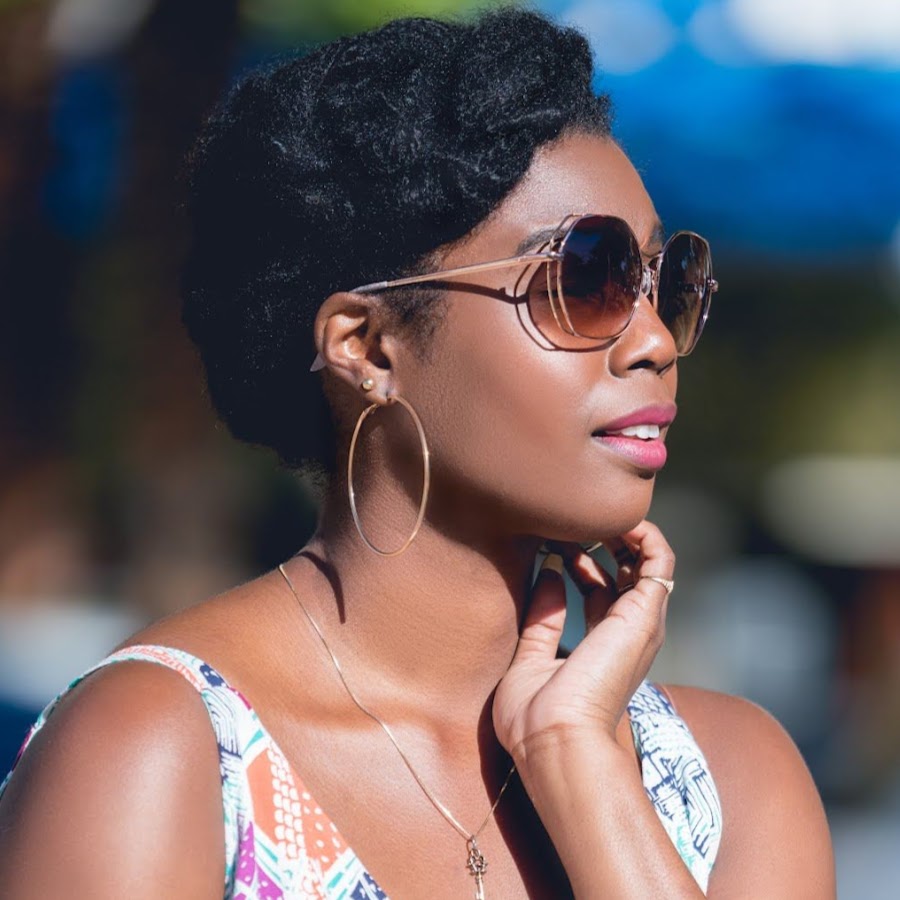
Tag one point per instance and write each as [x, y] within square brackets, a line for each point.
[475, 862]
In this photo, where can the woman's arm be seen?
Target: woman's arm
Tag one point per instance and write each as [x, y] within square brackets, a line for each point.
[775, 837]
[558, 718]
[591, 800]
[117, 796]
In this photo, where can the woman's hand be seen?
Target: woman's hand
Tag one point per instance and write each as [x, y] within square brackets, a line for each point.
[545, 698]
[558, 719]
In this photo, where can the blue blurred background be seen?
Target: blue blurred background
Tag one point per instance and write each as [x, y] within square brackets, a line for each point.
[770, 126]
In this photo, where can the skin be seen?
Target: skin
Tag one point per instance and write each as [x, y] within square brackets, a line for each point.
[448, 642]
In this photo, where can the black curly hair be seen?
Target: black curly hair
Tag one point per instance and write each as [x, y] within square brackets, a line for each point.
[359, 162]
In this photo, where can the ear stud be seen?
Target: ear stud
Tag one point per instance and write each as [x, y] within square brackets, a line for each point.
[367, 384]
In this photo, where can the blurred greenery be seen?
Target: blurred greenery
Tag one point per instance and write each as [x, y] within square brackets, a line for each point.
[794, 361]
[287, 21]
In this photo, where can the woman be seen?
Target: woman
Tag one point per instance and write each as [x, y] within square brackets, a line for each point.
[390, 714]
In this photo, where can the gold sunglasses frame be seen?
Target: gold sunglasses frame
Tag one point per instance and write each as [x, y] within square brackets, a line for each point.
[554, 252]
[649, 286]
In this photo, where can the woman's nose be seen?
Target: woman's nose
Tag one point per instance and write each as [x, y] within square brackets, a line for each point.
[645, 344]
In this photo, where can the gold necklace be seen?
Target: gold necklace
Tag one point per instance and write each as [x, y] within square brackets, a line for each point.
[475, 861]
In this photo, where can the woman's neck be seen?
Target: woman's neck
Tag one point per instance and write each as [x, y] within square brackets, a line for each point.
[435, 626]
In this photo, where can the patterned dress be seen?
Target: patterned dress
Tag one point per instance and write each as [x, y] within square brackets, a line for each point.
[280, 844]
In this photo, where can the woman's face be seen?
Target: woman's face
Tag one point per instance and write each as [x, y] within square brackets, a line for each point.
[511, 419]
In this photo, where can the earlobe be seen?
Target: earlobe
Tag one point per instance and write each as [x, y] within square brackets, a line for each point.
[349, 339]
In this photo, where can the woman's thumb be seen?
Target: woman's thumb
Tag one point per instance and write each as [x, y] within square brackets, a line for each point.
[546, 613]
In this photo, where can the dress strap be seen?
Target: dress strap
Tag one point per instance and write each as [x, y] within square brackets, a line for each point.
[677, 780]
[228, 713]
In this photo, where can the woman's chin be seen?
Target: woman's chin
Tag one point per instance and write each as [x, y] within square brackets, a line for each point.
[593, 530]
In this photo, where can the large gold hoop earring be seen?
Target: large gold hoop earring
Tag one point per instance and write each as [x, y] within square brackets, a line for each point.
[426, 475]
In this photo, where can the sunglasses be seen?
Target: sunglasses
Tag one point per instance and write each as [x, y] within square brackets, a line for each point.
[594, 278]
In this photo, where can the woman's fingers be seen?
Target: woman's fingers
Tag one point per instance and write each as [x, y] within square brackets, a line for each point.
[625, 555]
[595, 583]
[599, 588]
[654, 555]
[593, 685]
[631, 597]
[644, 602]
[584, 570]
[636, 602]
[546, 614]
[596, 606]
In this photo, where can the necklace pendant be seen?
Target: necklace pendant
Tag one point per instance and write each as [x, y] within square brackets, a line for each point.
[477, 866]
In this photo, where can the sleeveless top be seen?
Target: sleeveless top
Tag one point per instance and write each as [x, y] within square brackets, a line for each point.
[280, 844]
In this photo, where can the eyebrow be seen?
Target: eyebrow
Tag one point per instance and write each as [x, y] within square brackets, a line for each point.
[536, 238]
[657, 236]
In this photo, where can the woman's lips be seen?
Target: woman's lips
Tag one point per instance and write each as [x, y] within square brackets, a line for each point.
[648, 454]
[644, 446]
[661, 414]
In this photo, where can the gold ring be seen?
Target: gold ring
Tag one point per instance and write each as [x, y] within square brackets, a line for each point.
[667, 583]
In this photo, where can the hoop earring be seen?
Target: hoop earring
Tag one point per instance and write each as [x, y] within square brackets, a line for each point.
[426, 472]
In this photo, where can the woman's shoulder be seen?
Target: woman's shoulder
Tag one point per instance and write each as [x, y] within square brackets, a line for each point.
[772, 812]
[739, 739]
[143, 762]
[126, 762]
[723, 723]
[129, 758]
[244, 622]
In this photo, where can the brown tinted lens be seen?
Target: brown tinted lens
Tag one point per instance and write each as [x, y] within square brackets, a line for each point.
[600, 276]
[541, 307]
[685, 271]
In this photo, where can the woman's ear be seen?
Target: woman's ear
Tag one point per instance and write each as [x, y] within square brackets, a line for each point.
[352, 345]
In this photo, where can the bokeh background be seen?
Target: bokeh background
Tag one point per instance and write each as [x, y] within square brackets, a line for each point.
[771, 126]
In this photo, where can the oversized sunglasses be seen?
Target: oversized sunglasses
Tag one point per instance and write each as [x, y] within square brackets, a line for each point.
[594, 278]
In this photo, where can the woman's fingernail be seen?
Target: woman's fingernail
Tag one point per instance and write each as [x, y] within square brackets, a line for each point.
[552, 562]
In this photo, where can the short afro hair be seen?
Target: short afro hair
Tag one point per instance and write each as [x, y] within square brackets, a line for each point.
[358, 162]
